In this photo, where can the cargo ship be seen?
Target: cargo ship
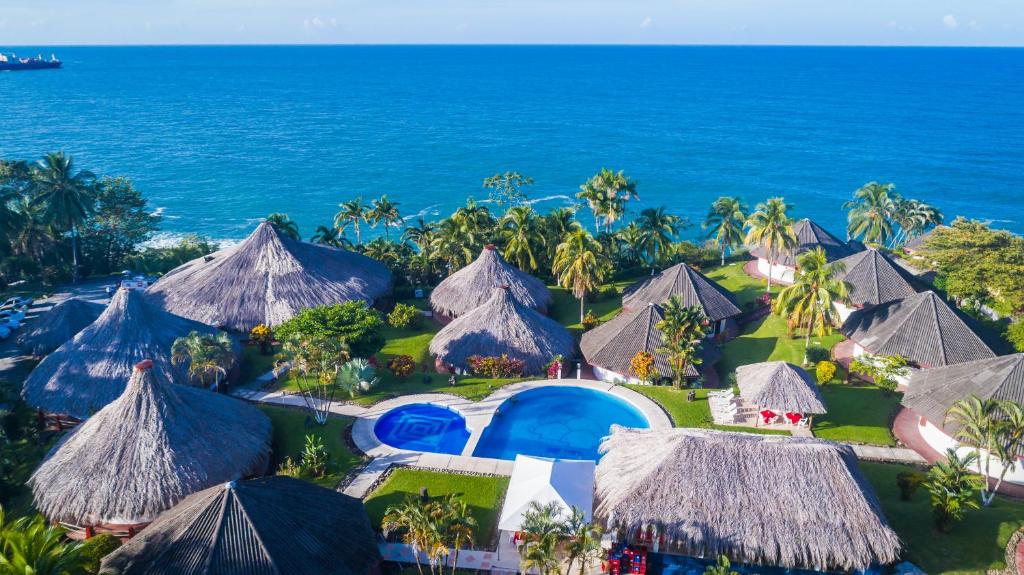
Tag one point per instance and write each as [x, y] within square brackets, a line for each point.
[13, 62]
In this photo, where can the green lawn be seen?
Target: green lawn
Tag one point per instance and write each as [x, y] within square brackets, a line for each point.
[292, 425]
[856, 414]
[975, 545]
[732, 277]
[691, 413]
[484, 495]
[254, 363]
[766, 340]
[566, 309]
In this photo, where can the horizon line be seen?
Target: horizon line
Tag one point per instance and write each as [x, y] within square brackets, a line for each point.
[510, 45]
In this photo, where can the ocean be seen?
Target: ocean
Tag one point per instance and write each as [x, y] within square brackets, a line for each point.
[219, 137]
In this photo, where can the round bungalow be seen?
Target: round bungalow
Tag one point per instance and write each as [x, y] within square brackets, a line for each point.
[809, 236]
[471, 286]
[58, 325]
[777, 391]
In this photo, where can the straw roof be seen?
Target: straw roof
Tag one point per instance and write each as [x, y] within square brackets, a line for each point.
[809, 236]
[874, 278]
[91, 369]
[267, 526]
[779, 385]
[503, 326]
[147, 450]
[922, 328]
[694, 287]
[768, 500]
[933, 391]
[268, 278]
[58, 325]
[613, 344]
[471, 286]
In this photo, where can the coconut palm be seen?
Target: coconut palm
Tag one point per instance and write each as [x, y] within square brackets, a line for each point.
[420, 234]
[606, 193]
[460, 525]
[454, 244]
[811, 299]
[724, 224]
[285, 225]
[871, 211]
[69, 197]
[330, 236]
[992, 428]
[951, 484]
[209, 357]
[30, 234]
[633, 242]
[477, 220]
[523, 239]
[411, 520]
[682, 333]
[582, 541]
[554, 226]
[540, 556]
[350, 214]
[32, 547]
[772, 230]
[662, 229]
[384, 211]
[579, 265]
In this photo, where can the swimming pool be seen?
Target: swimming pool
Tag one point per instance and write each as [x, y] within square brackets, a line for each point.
[563, 422]
[680, 565]
[423, 427]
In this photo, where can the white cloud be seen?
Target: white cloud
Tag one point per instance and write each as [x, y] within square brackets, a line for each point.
[950, 21]
[646, 22]
[318, 23]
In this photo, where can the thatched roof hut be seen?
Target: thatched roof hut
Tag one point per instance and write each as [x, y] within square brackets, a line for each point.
[695, 288]
[932, 392]
[788, 502]
[809, 236]
[471, 286]
[267, 526]
[612, 345]
[58, 325]
[147, 450]
[779, 385]
[268, 278]
[502, 325]
[922, 328]
[874, 278]
[90, 371]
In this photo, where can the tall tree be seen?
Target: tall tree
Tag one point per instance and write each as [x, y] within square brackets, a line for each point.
[995, 430]
[209, 357]
[554, 226]
[384, 211]
[523, 239]
[771, 229]
[454, 244]
[350, 214]
[285, 225]
[871, 211]
[507, 188]
[579, 265]
[330, 236]
[724, 223]
[662, 229]
[682, 333]
[314, 362]
[120, 222]
[633, 242]
[810, 300]
[606, 193]
[69, 196]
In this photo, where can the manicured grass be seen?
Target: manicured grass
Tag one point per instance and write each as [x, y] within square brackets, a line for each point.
[975, 544]
[254, 363]
[766, 339]
[692, 413]
[292, 425]
[483, 495]
[732, 277]
[856, 414]
[566, 309]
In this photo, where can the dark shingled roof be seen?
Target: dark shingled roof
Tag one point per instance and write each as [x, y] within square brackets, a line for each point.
[917, 242]
[922, 328]
[58, 325]
[613, 344]
[874, 278]
[932, 391]
[809, 235]
[694, 287]
[779, 385]
[268, 526]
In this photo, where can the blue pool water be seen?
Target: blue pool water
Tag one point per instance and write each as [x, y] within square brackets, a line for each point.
[661, 564]
[563, 422]
[423, 427]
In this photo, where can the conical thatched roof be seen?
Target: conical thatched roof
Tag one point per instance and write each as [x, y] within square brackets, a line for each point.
[468, 288]
[760, 499]
[613, 344]
[779, 385]
[267, 279]
[90, 371]
[154, 445]
[694, 287]
[809, 236]
[58, 325]
[932, 392]
[267, 526]
[503, 326]
[874, 278]
[922, 328]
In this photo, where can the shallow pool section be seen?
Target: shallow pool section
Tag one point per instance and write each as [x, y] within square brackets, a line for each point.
[561, 422]
[423, 427]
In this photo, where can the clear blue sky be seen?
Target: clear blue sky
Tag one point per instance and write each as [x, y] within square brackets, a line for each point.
[875, 22]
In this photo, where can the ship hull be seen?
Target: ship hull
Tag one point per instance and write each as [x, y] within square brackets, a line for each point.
[13, 66]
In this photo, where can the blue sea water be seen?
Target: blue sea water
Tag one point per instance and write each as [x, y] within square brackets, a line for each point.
[218, 137]
[423, 427]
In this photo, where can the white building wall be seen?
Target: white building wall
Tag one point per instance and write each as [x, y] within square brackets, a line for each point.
[843, 311]
[777, 272]
[614, 377]
[939, 441]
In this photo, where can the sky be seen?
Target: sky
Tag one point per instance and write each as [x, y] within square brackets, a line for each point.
[788, 22]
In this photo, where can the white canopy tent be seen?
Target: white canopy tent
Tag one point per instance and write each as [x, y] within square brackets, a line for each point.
[567, 482]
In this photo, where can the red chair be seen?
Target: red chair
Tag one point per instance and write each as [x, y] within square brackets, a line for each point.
[794, 418]
[768, 415]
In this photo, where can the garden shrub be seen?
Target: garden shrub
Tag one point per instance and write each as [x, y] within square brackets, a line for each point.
[262, 336]
[495, 367]
[314, 456]
[824, 372]
[405, 316]
[641, 365]
[354, 322]
[589, 321]
[816, 354]
[1015, 334]
[909, 482]
[401, 365]
[96, 548]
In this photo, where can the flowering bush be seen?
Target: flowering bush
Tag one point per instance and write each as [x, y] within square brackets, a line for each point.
[401, 365]
[405, 316]
[262, 336]
[554, 367]
[496, 366]
[641, 364]
[824, 372]
[589, 321]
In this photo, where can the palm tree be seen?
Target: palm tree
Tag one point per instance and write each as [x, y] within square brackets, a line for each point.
[606, 193]
[582, 541]
[662, 229]
[951, 484]
[285, 225]
[382, 250]
[523, 240]
[330, 236]
[31, 546]
[315, 361]
[477, 220]
[355, 376]
[69, 197]
[420, 234]
[541, 555]
[724, 223]
[30, 234]
[543, 530]
[815, 291]
[386, 211]
[554, 226]
[454, 244]
[207, 355]
[772, 230]
[994, 429]
[579, 265]
[410, 518]
[682, 333]
[460, 526]
[351, 213]
[634, 242]
[871, 212]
